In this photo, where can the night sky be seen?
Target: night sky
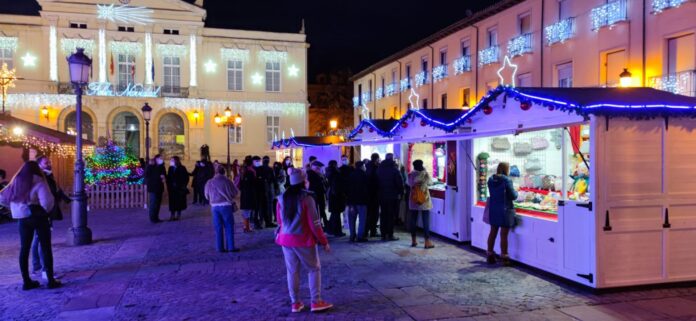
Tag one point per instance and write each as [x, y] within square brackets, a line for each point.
[342, 33]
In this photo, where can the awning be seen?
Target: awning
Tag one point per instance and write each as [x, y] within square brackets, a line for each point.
[29, 135]
[306, 141]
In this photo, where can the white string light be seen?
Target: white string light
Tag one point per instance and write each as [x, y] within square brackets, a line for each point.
[462, 64]
[124, 14]
[102, 55]
[8, 43]
[272, 56]
[489, 55]
[234, 54]
[148, 58]
[126, 47]
[193, 81]
[661, 5]
[560, 31]
[520, 45]
[52, 54]
[69, 45]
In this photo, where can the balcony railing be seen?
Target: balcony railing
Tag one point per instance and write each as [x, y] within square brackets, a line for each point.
[366, 97]
[608, 14]
[391, 90]
[560, 31]
[462, 64]
[662, 5]
[405, 84]
[176, 92]
[520, 45]
[440, 72]
[356, 101]
[682, 83]
[379, 93]
[489, 55]
[421, 78]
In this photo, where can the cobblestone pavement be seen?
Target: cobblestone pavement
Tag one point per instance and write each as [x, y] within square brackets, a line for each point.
[170, 271]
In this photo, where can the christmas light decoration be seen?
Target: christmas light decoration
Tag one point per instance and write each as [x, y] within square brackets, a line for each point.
[126, 47]
[52, 54]
[404, 84]
[439, 73]
[364, 111]
[29, 60]
[33, 101]
[234, 54]
[520, 45]
[148, 58]
[462, 64]
[608, 14]
[379, 93]
[272, 56]
[356, 101]
[112, 165]
[487, 109]
[17, 136]
[506, 63]
[256, 78]
[171, 50]
[391, 90]
[525, 105]
[237, 107]
[8, 43]
[660, 5]
[102, 55]
[560, 31]
[193, 63]
[70, 45]
[293, 71]
[366, 97]
[414, 99]
[124, 14]
[489, 55]
[421, 78]
[683, 83]
[210, 66]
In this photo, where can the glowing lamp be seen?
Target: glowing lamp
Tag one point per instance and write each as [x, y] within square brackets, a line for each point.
[80, 67]
[625, 78]
[238, 119]
[217, 118]
[333, 124]
[18, 131]
[44, 112]
[228, 112]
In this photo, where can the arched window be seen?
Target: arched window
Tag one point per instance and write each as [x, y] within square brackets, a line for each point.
[87, 125]
[126, 132]
[171, 136]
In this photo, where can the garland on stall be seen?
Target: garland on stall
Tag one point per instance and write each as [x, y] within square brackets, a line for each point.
[39, 144]
[112, 165]
[482, 171]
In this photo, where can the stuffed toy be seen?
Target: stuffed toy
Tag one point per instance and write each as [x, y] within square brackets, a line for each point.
[581, 179]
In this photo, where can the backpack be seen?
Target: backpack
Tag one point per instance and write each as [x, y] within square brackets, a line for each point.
[418, 195]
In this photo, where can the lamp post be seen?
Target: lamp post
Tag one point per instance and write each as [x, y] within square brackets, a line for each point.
[7, 79]
[147, 113]
[79, 234]
[228, 122]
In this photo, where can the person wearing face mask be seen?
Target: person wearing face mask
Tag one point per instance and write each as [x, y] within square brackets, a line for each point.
[177, 180]
[155, 180]
[357, 197]
[259, 192]
[268, 184]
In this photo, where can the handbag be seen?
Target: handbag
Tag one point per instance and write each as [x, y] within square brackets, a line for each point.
[539, 143]
[522, 149]
[418, 195]
[514, 171]
[486, 214]
[37, 210]
[532, 164]
[500, 143]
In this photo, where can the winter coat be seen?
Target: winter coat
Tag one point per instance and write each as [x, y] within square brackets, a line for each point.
[177, 180]
[40, 194]
[201, 174]
[58, 196]
[304, 230]
[337, 194]
[318, 186]
[357, 191]
[421, 180]
[220, 191]
[390, 183]
[501, 209]
[281, 179]
[247, 186]
[264, 183]
[153, 178]
[373, 182]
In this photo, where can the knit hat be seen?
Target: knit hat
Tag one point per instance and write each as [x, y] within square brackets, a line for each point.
[297, 176]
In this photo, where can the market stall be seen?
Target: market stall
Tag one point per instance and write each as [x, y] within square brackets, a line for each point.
[301, 148]
[598, 172]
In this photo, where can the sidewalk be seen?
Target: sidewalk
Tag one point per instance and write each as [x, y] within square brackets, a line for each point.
[136, 270]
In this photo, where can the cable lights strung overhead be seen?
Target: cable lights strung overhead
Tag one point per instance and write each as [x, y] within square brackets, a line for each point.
[124, 14]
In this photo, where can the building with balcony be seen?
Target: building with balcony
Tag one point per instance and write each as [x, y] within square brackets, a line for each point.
[158, 52]
[553, 43]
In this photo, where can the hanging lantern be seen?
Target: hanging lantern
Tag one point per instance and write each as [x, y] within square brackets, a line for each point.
[487, 109]
[525, 105]
[423, 123]
[404, 125]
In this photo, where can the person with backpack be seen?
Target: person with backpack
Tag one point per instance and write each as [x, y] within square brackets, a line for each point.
[298, 233]
[419, 202]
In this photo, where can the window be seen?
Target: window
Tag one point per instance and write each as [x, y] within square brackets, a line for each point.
[126, 29]
[425, 103]
[443, 56]
[87, 125]
[235, 134]
[408, 75]
[465, 48]
[382, 85]
[171, 32]
[443, 101]
[126, 70]
[424, 64]
[384, 114]
[525, 23]
[360, 94]
[369, 89]
[78, 25]
[172, 75]
[171, 136]
[272, 127]
[465, 97]
[394, 81]
[7, 57]
[125, 131]
[563, 9]
[235, 75]
[680, 54]
[272, 76]
[565, 75]
[524, 80]
[614, 62]
[492, 37]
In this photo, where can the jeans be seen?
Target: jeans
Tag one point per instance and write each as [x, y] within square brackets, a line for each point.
[387, 215]
[154, 201]
[40, 226]
[223, 222]
[425, 217]
[308, 257]
[358, 212]
[37, 260]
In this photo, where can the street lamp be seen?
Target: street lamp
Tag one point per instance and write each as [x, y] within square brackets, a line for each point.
[625, 78]
[196, 115]
[229, 122]
[147, 113]
[79, 234]
[7, 79]
[44, 112]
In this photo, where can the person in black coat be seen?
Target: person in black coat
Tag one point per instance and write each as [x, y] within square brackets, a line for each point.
[357, 197]
[318, 186]
[203, 172]
[154, 179]
[177, 182]
[373, 201]
[337, 194]
[391, 189]
[247, 187]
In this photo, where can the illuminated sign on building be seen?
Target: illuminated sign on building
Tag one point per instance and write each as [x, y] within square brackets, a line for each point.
[131, 90]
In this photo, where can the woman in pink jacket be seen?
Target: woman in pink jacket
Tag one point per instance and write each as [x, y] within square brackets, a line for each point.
[299, 231]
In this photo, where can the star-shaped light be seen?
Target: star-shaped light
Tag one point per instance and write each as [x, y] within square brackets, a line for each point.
[293, 71]
[29, 60]
[414, 98]
[507, 62]
[210, 66]
[256, 78]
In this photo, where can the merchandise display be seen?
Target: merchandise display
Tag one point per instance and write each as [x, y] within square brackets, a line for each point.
[430, 153]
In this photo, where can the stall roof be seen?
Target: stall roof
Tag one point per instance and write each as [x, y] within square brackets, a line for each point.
[39, 131]
[306, 141]
[444, 119]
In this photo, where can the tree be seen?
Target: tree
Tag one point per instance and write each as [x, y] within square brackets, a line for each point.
[110, 164]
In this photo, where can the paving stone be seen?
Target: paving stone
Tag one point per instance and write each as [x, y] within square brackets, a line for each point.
[673, 307]
[99, 314]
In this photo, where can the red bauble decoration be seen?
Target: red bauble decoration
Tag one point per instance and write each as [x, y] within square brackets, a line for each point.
[469, 120]
[525, 105]
[371, 129]
[404, 125]
[551, 108]
[360, 131]
[423, 123]
[487, 110]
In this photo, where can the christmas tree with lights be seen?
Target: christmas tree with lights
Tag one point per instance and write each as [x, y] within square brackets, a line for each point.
[111, 164]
